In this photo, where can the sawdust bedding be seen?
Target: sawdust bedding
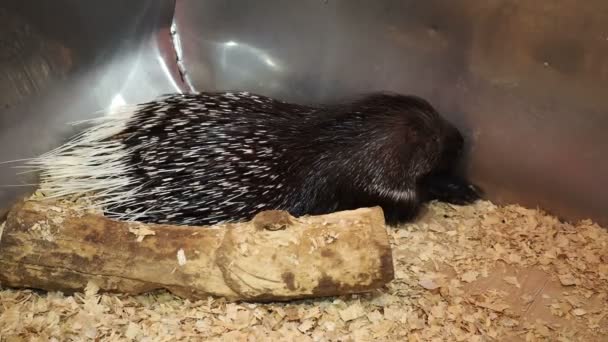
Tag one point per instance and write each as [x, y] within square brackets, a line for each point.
[473, 273]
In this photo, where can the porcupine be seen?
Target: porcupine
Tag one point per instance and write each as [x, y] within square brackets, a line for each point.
[214, 157]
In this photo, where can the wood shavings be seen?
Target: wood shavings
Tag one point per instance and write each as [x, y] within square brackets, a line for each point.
[428, 284]
[470, 276]
[91, 290]
[567, 279]
[512, 281]
[579, 312]
[472, 273]
[352, 312]
[43, 230]
[306, 325]
[490, 304]
[181, 257]
[140, 231]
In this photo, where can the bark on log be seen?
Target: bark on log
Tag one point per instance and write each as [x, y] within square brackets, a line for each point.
[273, 257]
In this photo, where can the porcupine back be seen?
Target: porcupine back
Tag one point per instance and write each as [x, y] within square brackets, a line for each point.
[205, 158]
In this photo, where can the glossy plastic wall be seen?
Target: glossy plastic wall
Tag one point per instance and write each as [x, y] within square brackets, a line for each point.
[526, 81]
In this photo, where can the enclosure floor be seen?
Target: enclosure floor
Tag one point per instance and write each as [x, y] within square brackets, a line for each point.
[475, 273]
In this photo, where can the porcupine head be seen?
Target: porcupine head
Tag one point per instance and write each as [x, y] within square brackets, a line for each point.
[403, 154]
[207, 158]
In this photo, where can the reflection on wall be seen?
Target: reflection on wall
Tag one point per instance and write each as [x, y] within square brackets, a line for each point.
[29, 62]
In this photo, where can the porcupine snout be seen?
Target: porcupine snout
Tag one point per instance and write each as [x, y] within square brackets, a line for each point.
[447, 182]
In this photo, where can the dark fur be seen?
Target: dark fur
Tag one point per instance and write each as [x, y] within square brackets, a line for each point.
[327, 158]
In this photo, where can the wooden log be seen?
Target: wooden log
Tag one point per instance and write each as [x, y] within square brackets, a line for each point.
[273, 257]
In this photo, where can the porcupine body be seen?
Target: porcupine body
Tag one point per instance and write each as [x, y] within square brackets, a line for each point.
[207, 158]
